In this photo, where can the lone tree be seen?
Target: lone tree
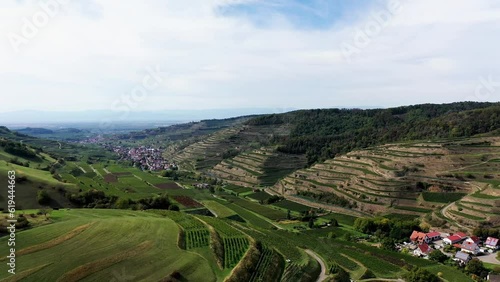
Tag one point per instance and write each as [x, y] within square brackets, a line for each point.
[45, 212]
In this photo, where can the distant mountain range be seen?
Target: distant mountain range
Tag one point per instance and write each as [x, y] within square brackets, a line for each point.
[26, 118]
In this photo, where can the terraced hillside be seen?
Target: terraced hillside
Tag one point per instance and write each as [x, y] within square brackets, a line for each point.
[223, 144]
[408, 178]
[262, 167]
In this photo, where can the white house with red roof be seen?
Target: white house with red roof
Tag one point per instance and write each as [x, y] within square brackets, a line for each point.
[473, 239]
[455, 238]
[419, 237]
[491, 243]
[433, 236]
[422, 250]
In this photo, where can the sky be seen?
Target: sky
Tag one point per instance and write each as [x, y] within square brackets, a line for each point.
[157, 55]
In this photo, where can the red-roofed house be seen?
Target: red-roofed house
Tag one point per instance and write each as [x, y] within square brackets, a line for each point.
[473, 239]
[419, 237]
[470, 247]
[491, 243]
[422, 250]
[433, 236]
[455, 238]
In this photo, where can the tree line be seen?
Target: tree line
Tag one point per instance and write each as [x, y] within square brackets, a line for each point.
[321, 134]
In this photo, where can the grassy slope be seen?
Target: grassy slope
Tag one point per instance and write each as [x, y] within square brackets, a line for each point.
[104, 240]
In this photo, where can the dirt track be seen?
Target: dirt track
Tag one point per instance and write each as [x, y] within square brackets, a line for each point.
[322, 276]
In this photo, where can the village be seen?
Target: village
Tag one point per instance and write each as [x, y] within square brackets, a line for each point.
[144, 157]
[458, 246]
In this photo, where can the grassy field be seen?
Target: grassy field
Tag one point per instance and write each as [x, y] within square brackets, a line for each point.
[442, 197]
[218, 209]
[31, 173]
[94, 241]
[259, 196]
[237, 189]
[293, 206]
[262, 210]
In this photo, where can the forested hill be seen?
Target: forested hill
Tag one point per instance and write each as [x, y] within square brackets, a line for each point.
[323, 133]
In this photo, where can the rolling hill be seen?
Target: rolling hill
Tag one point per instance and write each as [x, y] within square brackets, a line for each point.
[407, 178]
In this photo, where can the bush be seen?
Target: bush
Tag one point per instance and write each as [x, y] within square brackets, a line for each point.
[122, 204]
[417, 274]
[438, 256]
[476, 267]
[43, 198]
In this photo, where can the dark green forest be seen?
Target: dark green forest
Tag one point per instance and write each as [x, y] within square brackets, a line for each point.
[324, 133]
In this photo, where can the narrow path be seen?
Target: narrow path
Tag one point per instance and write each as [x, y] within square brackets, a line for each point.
[445, 209]
[95, 170]
[60, 145]
[489, 258]
[323, 275]
[317, 205]
[82, 169]
[106, 171]
[443, 212]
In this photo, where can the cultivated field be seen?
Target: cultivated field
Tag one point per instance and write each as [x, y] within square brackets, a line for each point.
[96, 249]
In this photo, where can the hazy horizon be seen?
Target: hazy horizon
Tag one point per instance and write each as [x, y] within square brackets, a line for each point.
[221, 54]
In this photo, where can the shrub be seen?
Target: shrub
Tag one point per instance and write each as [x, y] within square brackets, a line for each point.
[43, 198]
[438, 256]
[417, 274]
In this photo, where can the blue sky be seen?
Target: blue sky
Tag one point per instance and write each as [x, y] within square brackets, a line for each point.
[229, 54]
[309, 14]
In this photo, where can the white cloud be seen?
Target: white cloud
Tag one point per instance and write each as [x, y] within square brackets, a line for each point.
[90, 54]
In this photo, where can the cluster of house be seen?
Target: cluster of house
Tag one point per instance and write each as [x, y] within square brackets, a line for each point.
[146, 158]
[468, 245]
[201, 185]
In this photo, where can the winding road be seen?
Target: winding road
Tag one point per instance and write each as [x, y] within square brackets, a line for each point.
[323, 275]
[443, 212]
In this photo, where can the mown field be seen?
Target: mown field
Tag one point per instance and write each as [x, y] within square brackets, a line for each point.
[94, 248]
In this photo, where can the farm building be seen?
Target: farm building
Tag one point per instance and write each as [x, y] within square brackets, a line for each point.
[462, 258]
[433, 236]
[455, 238]
[491, 243]
[419, 237]
[422, 250]
[470, 247]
